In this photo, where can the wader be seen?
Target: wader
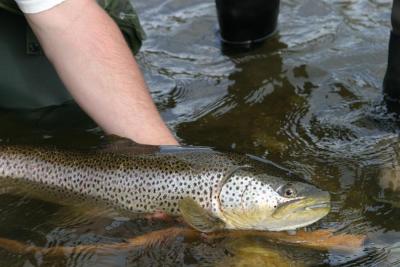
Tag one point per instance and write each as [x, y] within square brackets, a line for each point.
[27, 79]
[391, 82]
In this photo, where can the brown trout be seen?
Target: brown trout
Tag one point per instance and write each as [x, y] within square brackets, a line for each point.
[210, 190]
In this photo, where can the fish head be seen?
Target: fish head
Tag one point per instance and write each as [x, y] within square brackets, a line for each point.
[251, 201]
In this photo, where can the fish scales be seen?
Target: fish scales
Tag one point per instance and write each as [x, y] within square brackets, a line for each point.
[141, 183]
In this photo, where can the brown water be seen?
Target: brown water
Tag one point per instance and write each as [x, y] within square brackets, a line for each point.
[309, 99]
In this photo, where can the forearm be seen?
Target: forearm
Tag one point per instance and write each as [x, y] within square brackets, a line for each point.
[93, 60]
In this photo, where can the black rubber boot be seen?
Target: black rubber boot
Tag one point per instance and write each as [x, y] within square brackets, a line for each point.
[243, 22]
[391, 82]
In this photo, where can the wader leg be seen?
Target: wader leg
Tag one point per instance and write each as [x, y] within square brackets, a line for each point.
[247, 22]
[27, 79]
[391, 83]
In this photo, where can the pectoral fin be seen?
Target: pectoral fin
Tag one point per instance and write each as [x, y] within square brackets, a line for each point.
[199, 218]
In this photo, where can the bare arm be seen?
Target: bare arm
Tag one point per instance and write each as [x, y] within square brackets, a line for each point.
[91, 56]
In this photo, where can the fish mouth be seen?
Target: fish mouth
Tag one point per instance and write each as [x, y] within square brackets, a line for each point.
[322, 205]
[301, 205]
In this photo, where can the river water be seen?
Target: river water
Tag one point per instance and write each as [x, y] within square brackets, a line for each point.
[308, 99]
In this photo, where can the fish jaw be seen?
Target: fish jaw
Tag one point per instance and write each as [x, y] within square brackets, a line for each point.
[301, 213]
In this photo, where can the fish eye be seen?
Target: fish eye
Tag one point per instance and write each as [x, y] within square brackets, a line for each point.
[288, 191]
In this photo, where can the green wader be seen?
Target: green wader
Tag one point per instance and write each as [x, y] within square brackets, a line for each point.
[27, 79]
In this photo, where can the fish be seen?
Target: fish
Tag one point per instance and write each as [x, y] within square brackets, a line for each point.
[210, 190]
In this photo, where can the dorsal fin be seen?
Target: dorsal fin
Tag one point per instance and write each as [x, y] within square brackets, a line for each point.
[122, 145]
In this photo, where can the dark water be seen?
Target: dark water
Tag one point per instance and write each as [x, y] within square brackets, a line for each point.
[309, 99]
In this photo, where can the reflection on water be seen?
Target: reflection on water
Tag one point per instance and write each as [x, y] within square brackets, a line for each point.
[309, 99]
[255, 252]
